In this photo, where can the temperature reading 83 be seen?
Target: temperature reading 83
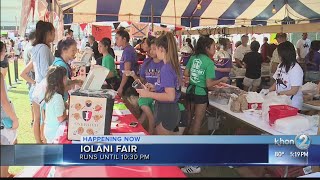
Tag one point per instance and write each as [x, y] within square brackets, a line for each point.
[278, 154]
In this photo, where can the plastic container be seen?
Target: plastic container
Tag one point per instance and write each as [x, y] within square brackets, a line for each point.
[281, 111]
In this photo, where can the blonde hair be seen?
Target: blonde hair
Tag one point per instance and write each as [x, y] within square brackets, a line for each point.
[168, 42]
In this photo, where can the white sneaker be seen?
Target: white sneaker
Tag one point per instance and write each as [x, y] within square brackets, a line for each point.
[191, 169]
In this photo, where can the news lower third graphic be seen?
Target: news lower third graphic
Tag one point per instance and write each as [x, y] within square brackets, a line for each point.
[300, 150]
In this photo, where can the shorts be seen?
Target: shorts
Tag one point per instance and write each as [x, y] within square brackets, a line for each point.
[251, 82]
[198, 99]
[168, 114]
[8, 136]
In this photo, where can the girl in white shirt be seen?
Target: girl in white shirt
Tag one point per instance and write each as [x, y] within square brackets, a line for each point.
[289, 75]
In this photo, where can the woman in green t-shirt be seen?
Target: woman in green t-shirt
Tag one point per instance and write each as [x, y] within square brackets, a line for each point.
[104, 48]
[201, 70]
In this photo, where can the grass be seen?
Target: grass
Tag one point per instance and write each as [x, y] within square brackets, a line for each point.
[20, 99]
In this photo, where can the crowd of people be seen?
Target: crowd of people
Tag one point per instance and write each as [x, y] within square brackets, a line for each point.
[207, 64]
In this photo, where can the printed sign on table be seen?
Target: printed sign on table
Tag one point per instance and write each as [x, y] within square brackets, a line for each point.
[86, 116]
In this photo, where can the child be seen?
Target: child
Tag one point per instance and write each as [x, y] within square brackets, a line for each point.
[147, 103]
[105, 49]
[252, 61]
[55, 107]
[167, 88]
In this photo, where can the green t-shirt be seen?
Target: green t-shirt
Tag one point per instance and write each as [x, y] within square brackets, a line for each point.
[150, 103]
[108, 62]
[201, 68]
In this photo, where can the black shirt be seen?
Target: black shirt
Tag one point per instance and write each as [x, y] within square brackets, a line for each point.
[96, 54]
[4, 63]
[253, 61]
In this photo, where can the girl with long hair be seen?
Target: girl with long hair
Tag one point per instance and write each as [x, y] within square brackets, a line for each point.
[55, 107]
[41, 59]
[201, 71]
[289, 75]
[167, 88]
[113, 79]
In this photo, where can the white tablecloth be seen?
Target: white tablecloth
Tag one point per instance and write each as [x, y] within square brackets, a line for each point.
[254, 121]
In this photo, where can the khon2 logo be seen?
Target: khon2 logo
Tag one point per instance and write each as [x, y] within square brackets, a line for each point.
[302, 141]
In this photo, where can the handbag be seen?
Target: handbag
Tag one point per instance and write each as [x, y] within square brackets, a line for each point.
[39, 92]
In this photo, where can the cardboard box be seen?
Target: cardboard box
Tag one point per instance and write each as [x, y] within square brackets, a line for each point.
[90, 113]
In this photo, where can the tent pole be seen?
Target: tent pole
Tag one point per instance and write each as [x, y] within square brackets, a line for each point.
[152, 14]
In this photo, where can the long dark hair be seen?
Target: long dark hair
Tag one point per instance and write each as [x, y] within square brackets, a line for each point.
[55, 83]
[188, 40]
[203, 43]
[107, 43]
[168, 42]
[287, 55]
[64, 45]
[42, 31]
[315, 47]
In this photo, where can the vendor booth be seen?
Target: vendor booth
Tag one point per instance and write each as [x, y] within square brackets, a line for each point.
[227, 104]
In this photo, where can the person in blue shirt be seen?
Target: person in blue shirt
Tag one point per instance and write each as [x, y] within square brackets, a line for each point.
[55, 113]
[66, 51]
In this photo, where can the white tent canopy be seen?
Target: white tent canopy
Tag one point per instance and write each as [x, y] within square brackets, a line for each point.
[188, 12]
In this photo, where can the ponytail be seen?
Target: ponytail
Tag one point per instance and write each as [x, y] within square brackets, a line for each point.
[111, 52]
[168, 42]
[107, 43]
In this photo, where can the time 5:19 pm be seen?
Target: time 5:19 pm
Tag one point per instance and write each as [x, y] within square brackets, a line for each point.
[299, 154]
